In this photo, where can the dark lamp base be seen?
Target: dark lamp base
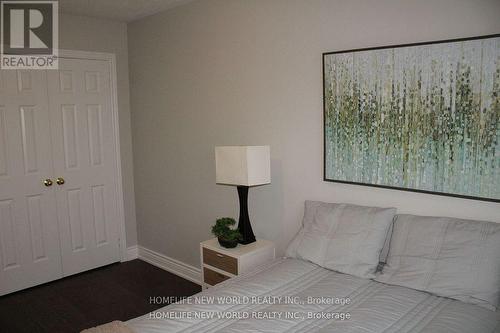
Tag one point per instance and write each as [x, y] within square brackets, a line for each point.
[244, 225]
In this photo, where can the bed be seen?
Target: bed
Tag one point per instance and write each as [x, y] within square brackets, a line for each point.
[326, 295]
[354, 269]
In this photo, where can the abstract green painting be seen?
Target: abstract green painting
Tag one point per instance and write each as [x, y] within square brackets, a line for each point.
[418, 117]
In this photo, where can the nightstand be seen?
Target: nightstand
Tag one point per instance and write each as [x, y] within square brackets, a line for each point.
[219, 264]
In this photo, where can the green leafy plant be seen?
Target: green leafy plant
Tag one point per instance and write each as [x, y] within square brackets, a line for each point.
[222, 229]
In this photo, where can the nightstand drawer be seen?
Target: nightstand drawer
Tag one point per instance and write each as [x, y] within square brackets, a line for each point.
[212, 278]
[220, 261]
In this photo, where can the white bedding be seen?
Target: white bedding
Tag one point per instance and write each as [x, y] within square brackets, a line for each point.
[374, 307]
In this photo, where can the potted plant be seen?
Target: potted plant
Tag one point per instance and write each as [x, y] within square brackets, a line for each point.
[227, 236]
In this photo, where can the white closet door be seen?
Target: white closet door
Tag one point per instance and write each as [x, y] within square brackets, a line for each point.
[84, 156]
[29, 238]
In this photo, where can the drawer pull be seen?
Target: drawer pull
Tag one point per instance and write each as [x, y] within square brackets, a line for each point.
[220, 255]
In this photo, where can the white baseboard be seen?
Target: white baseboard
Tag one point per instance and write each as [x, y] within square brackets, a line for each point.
[171, 265]
[132, 253]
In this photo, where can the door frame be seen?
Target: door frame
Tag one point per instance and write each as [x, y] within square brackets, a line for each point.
[111, 59]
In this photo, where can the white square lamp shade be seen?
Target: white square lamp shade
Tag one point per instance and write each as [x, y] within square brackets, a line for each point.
[243, 165]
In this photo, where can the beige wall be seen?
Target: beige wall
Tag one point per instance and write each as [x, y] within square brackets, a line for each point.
[89, 34]
[230, 72]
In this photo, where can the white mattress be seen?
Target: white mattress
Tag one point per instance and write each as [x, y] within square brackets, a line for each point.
[374, 307]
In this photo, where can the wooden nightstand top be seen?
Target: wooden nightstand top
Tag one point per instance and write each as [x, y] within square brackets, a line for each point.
[240, 250]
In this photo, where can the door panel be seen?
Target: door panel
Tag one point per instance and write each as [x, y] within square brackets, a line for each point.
[95, 134]
[70, 135]
[3, 142]
[29, 241]
[99, 214]
[8, 235]
[84, 155]
[35, 223]
[29, 116]
[75, 220]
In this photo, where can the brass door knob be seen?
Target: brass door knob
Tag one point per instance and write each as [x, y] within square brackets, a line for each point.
[60, 181]
[48, 182]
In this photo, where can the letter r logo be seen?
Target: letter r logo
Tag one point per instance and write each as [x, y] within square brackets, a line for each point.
[27, 27]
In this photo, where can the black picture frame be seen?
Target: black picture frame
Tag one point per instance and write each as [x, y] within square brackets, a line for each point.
[325, 109]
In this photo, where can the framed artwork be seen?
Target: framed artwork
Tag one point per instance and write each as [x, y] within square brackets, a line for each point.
[418, 117]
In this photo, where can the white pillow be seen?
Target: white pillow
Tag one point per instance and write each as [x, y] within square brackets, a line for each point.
[446, 256]
[342, 237]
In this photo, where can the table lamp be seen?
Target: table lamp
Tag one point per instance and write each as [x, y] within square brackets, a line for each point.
[243, 166]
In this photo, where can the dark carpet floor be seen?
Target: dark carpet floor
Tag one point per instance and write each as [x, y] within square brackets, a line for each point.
[115, 292]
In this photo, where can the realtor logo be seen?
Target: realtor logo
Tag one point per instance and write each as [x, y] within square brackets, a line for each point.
[29, 35]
